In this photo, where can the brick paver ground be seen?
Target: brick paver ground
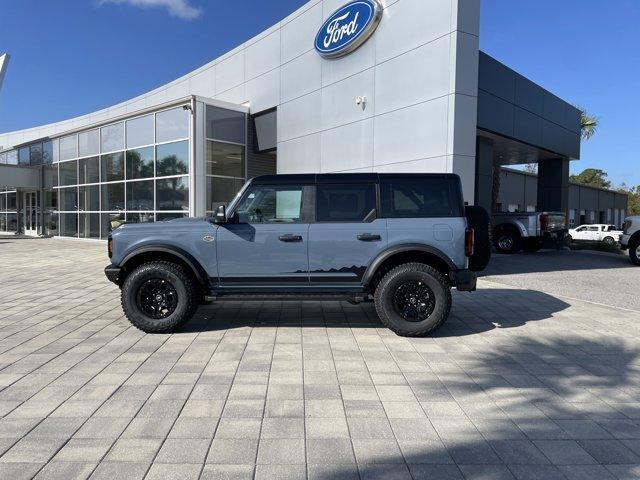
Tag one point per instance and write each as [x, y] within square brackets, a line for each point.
[519, 384]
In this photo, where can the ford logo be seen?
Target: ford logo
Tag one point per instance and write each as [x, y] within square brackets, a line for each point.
[348, 28]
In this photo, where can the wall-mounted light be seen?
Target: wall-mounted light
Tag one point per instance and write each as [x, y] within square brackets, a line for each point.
[362, 101]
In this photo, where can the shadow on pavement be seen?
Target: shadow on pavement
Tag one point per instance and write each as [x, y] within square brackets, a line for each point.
[472, 313]
[554, 261]
[530, 409]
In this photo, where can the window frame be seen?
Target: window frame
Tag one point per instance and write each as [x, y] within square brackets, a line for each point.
[376, 199]
[307, 206]
[386, 200]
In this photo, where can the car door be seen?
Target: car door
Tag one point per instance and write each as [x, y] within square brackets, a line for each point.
[346, 236]
[580, 233]
[592, 233]
[265, 242]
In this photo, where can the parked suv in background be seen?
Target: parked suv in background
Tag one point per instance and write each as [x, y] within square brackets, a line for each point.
[631, 238]
[401, 240]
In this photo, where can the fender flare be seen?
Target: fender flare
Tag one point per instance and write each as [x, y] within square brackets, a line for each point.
[409, 247]
[516, 224]
[186, 257]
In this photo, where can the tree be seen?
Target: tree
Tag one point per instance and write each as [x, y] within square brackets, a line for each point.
[592, 177]
[588, 124]
[634, 198]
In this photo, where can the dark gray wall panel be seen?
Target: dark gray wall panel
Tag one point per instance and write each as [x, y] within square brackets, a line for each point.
[495, 114]
[527, 126]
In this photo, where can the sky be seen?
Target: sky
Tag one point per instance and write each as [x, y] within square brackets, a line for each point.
[71, 57]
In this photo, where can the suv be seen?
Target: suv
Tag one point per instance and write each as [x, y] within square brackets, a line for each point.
[401, 240]
[631, 238]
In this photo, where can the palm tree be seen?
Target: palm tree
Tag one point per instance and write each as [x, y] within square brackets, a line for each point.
[588, 124]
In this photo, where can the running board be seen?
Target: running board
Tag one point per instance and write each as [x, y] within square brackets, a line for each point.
[287, 297]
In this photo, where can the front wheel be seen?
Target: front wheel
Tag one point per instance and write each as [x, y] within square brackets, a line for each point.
[634, 250]
[413, 300]
[159, 297]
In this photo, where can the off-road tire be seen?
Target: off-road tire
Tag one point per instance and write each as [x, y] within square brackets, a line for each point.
[393, 279]
[609, 241]
[183, 284]
[516, 240]
[633, 249]
[480, 220]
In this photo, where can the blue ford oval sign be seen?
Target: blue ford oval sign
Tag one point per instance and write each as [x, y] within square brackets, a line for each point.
[348, 28]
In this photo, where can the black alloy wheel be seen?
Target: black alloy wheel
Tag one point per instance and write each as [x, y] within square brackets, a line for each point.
[414, 301]
[157, 298]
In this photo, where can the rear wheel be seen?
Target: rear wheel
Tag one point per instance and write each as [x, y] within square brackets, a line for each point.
[159, 297]
[634, 250]
[507, 240]
[413, 300]
[609, 241]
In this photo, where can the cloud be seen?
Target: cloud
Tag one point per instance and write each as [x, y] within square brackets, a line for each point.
[178, 8]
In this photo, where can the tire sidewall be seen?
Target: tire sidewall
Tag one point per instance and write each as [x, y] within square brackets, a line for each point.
[515, 238]
[130, 292]
[384, 302]
[633, 247]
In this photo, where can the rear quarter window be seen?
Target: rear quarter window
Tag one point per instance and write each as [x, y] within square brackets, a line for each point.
[420, 198]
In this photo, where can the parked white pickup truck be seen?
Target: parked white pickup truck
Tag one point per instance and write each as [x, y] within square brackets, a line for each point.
[607, 234]
[631, 238]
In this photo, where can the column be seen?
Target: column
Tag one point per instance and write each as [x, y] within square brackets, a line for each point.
[553, 185]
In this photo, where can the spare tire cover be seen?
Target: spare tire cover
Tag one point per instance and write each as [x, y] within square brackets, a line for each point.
[478, 219]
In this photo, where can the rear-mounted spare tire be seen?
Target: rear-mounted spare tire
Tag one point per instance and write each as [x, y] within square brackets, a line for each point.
[478, 219]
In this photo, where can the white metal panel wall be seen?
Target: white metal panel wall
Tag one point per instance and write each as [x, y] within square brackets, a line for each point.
[418, 72]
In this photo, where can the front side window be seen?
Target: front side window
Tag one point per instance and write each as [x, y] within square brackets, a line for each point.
[420, 198]
[345, 203]
[271, 204]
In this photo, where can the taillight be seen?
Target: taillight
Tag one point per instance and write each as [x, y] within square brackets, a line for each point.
[544, 221]
[469, 242]
[110, 246]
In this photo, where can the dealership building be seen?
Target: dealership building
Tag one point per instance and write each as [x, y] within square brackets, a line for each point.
[337, 86]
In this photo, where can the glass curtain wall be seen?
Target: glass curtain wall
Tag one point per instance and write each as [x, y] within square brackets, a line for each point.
[225, 155]
[136, 170]
[8, 210]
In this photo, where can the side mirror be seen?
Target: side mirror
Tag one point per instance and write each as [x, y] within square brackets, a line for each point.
[221, 215]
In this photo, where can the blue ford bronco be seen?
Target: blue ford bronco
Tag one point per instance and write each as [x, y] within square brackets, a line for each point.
[399, 240]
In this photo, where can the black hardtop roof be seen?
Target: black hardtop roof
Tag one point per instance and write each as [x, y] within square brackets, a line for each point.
[312, 178]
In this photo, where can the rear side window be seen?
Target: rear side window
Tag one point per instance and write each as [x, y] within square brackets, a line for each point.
[345, 203]
[420, 198]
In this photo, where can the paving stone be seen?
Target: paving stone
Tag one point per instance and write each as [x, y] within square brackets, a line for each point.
[178, 450]
[279, 451]
[19, 471]
[120, 471]
[327, 427]
[609, 452]
[239, 428]
[84, 450]
[564, 452]
[167, 471]
[519, 452]
[228, 472]
[586, 472]
[229, 451]
[282, 428]
[435, 472]
[33, 450]
[66, 471]
[280, 472]
[140, 450]
[329, 451]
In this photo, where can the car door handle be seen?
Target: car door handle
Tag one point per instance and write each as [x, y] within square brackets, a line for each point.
[369, 237]
[290, 238]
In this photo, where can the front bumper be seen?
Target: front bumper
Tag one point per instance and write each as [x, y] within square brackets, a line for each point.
[113, 273]
[464, 280]
[555, 236]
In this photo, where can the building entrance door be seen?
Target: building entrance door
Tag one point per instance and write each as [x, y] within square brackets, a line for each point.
[30, 202]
